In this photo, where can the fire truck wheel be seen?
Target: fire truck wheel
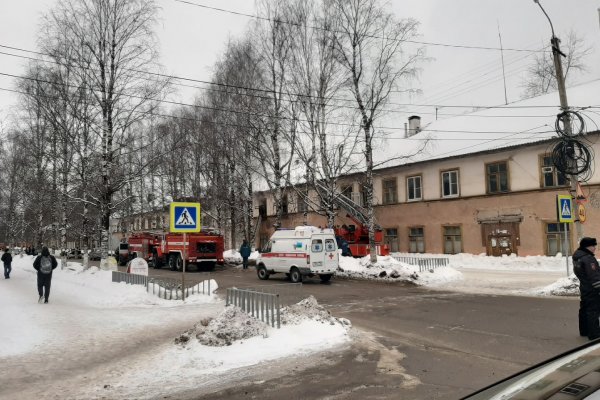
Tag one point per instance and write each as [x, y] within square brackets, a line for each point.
[262, 273]
[295, 275]
[173, 262]
[325, 277]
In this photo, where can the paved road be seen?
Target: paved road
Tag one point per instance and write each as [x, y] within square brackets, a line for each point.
[413, 343]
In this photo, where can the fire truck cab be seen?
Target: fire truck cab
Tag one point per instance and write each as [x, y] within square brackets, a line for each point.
[203, 249]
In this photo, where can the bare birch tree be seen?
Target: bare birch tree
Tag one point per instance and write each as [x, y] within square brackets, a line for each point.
[117, 51]
[370, 47]
[541, 75]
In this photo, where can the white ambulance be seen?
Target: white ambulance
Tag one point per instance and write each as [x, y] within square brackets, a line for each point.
[299, 252]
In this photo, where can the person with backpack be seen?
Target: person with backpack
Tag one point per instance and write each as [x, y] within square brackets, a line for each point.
[6, 260]
[44, 264]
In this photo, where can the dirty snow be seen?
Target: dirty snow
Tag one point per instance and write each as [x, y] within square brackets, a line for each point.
[130, 337]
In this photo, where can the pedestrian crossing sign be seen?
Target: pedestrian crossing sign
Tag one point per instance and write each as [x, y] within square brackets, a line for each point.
[185, 217]
[565, 208]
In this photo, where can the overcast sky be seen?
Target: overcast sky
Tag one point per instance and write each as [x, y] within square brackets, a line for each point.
[193, 37]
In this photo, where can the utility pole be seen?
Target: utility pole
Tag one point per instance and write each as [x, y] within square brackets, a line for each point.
[502, 58]
[564, 105]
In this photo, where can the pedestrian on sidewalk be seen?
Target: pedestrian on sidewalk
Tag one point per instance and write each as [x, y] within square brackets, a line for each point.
[44, 264]
[587, 270]
[245, 252]
[7, 261]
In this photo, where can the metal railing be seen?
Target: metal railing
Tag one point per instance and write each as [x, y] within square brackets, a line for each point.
[424, 263]
[260, 305]
[289, 293]
[165, 288]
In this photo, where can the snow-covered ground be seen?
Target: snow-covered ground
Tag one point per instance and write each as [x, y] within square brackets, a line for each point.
[98, 339]
[531, 275]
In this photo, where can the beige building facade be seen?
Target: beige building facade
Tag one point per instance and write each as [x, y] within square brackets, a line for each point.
[493, 202]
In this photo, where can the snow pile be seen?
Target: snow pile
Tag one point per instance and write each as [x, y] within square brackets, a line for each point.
[503, 263]
[389, 269]
[234, 257]
[563, 287]
[309, 308]
[231, 325]
[234, 324]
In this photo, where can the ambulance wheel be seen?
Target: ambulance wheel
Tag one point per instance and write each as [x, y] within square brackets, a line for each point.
[262, 273]
[325, 277]
[295, 275]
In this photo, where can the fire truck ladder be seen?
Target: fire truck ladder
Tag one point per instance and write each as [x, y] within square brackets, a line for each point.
[355, 211]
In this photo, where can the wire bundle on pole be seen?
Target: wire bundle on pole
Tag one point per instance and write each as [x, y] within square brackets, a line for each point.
[570, 155]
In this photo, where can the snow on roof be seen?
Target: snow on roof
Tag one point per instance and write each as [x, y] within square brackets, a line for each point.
[519, 123]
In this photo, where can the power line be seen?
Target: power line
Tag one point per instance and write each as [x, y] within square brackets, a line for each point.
[370, 36]
[262, 115]
[257, 89]
[386, 135]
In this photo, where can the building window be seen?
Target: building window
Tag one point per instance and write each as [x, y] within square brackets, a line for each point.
[302, 203]
[391, 239]
[347, 191]
[413, 188]
[390, 193]
[452, 240]
[450, 184]
[262, 208]
[555, 238]
[497, 177]
[416, 240]
[363, 196]
[550, 176]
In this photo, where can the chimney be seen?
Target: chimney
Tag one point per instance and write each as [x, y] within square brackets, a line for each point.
[414, 125]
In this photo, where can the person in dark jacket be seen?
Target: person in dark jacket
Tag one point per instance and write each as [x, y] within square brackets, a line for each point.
[245, 252]
[44, 264]
[7, 261]
[587, 270]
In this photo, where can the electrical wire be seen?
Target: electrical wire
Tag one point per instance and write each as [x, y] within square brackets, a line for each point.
[370, 36]
[257, 89]
[386, 135]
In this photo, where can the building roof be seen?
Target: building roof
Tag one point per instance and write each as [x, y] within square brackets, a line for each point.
[519, 123]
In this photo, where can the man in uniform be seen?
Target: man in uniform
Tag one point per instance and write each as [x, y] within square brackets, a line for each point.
[585, 267]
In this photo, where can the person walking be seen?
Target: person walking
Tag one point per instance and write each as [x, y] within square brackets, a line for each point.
[245, 252]
[44, 264]
[7, 261]
[587, 270]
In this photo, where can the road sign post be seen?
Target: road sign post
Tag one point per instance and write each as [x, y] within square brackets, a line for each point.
[184, 218]
[564, 208]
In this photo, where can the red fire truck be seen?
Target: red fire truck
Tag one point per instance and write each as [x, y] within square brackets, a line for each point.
[354, 239]
[357, 239]
[203, 249]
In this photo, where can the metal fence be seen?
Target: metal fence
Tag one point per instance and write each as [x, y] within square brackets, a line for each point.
[424, 263]
[261, 305]
[165, 288]
[289, 293]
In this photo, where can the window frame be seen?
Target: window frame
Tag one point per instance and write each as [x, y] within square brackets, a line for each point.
[556, 176]
[395, 239]
[411, 241]
[408, 179]
[386, 190]
[455, 171]
[301, 203]
[559, 235]
[460, 235]
[498, 178]
[316, 242]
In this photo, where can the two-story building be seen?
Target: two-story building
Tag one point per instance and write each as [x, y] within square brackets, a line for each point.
[482, 182]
